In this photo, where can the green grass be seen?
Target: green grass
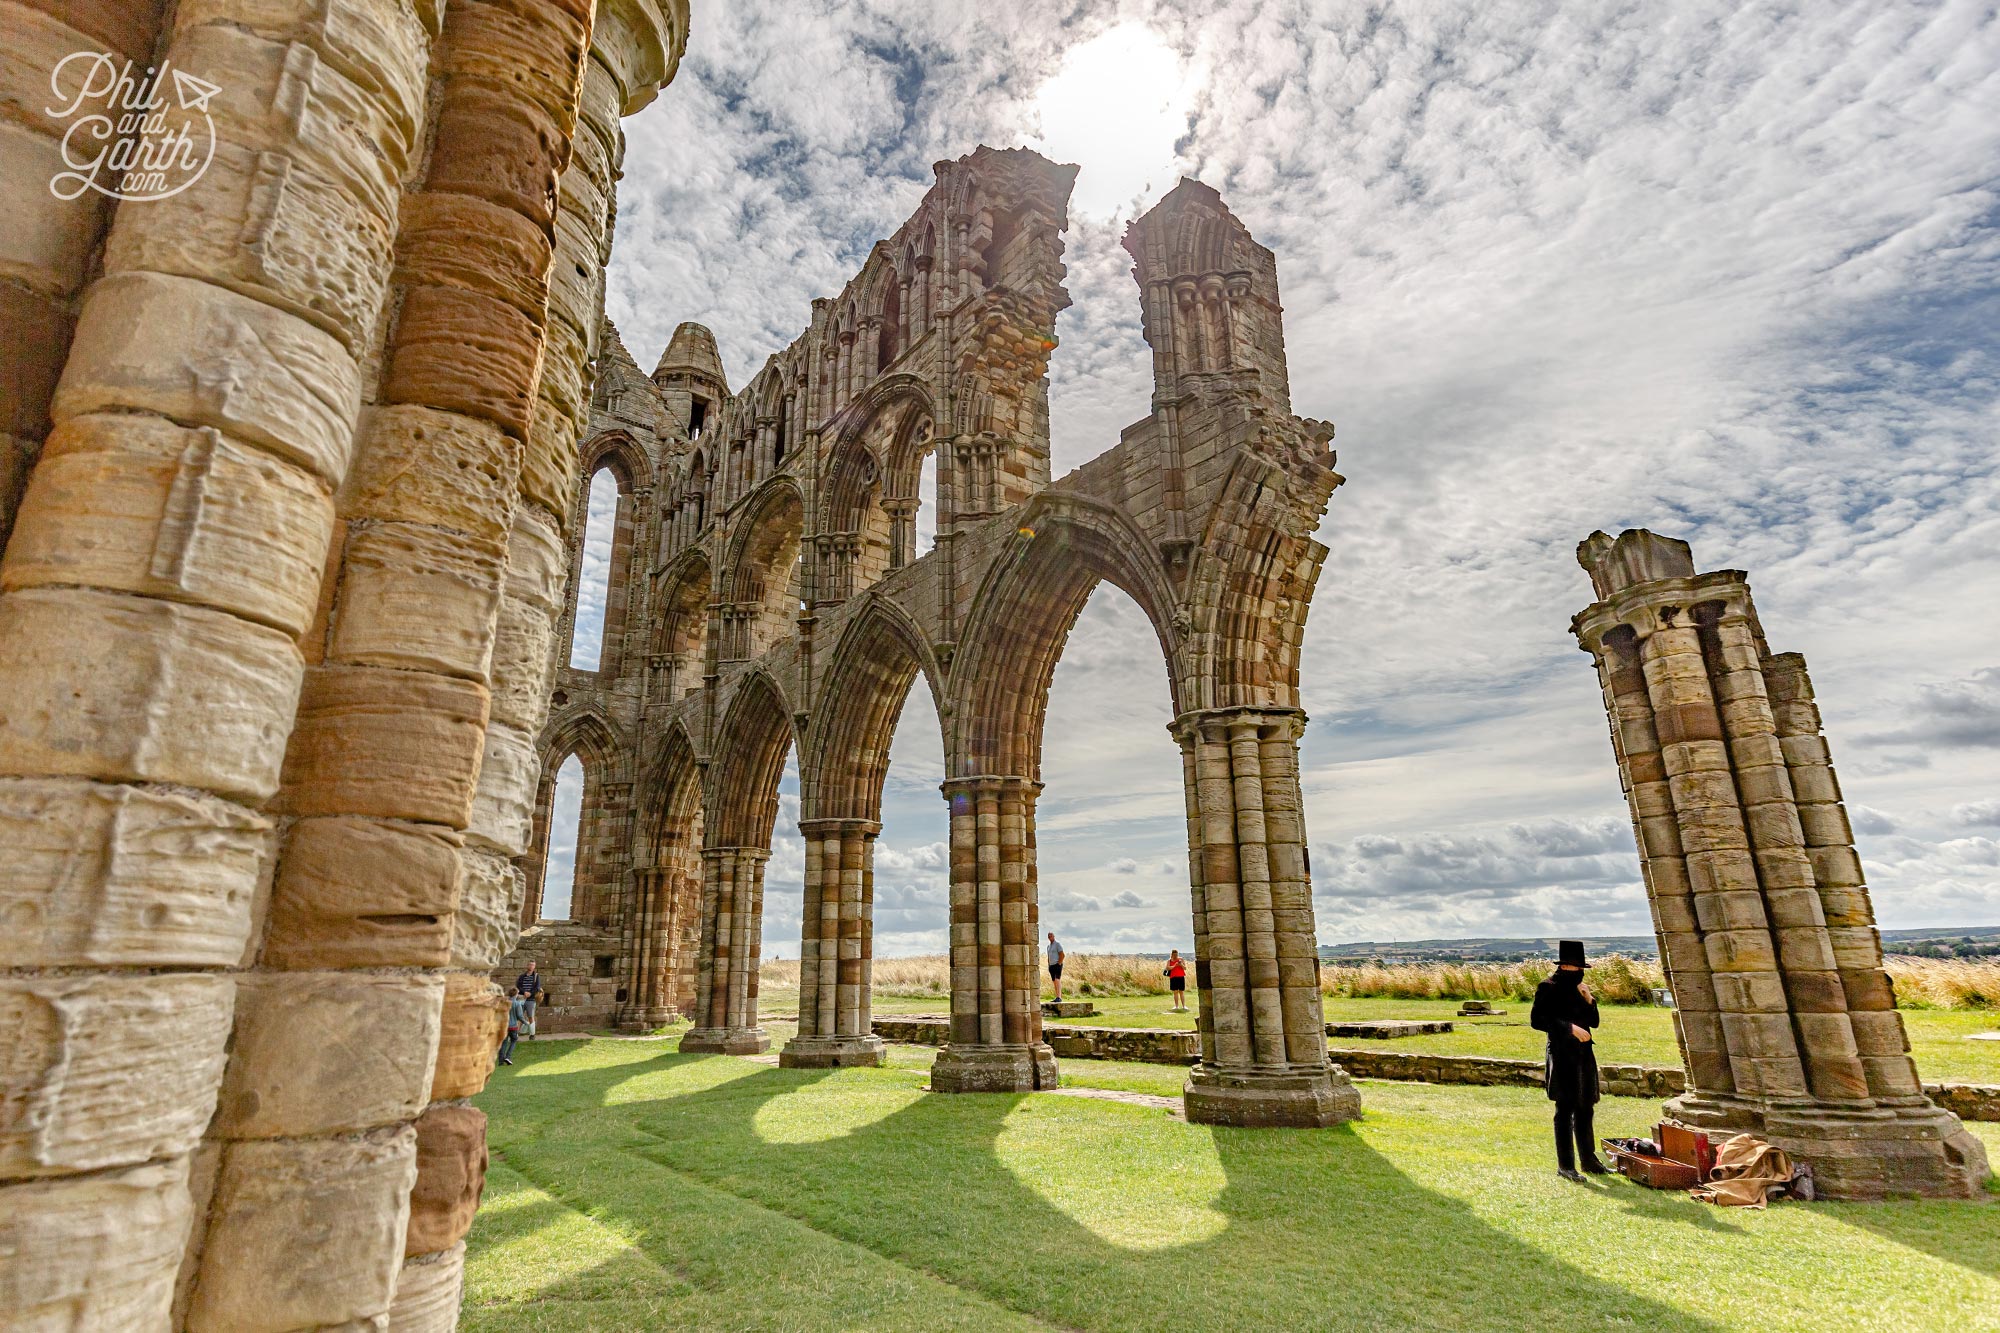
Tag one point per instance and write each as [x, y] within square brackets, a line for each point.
[636, 1188]
[1631, 1035]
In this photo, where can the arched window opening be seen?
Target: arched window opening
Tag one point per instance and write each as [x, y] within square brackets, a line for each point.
[565, 826]
[697, 416]
[886, 345]
[927, 504]
[913, 851]
[1112, 817]
[593, 578]
[995, 250]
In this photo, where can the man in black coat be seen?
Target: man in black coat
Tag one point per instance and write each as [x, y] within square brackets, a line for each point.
[1567, 1011]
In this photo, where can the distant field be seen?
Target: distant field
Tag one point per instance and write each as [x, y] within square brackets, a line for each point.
[1921, 983]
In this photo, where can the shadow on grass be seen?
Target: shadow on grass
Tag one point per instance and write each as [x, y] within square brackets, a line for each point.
[1315, 1229]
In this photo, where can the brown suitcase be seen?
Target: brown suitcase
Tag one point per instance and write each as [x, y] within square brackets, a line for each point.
[1690, 1147]
[1660, 1173]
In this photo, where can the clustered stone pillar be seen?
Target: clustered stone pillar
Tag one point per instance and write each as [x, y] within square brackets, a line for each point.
[1787, 1021]
[1261, 1024]
[732, 929]
[837, 948]
[996, 1014]
[165, 571]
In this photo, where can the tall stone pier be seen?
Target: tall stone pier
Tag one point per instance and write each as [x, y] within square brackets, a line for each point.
[1787, 1022]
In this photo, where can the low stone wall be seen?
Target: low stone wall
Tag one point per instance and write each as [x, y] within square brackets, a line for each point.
[569, 959]
[1167, 1046]
[1612, 1080]
[1153, 1046]
[1386, 1029]
[1967, 1101]
[914, 1029]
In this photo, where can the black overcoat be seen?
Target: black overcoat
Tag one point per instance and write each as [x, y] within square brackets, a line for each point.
[1570, 1067]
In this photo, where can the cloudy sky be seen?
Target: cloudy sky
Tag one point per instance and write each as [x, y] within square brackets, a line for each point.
[1727, 270]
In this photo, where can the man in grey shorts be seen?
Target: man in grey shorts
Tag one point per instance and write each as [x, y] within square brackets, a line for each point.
[1055, 964]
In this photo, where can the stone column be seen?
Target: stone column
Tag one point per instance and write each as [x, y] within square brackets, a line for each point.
[836, 949]
[731, 946]
[902, 530]
[1261, 1025]
[996, 1014]
[164, 570]
[46, 254]
[1788, 1027]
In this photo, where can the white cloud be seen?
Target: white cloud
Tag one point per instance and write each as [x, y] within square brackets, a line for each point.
[1727, 270]
[1128, 899]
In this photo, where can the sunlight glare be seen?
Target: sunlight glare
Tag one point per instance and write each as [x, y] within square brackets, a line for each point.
[1117, 108]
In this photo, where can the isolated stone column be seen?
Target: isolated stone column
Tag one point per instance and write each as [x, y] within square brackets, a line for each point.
[836, 948]
[996, 1013]
[1261, 1024]
[732, 945]
[1787, 1021]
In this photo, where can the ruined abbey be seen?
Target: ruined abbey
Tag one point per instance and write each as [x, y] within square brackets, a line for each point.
[292, 492]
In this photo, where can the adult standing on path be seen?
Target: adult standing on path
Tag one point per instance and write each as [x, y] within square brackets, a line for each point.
[1566, 1011]
[1055, 965]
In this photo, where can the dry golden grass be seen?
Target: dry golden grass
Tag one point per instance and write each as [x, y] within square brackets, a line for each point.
[1921, 983]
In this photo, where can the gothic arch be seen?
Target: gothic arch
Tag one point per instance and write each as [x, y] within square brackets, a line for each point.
[678, 651]
[764, 574]
[1022, 616]
[742, 799]
[878, 656]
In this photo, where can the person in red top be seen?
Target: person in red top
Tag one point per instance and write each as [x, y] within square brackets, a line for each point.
[1176, 975]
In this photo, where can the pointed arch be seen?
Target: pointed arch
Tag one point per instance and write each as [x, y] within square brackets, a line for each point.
[763, 579]
[681, 598]
[876, 659]
[742, 801]
[1022, 616]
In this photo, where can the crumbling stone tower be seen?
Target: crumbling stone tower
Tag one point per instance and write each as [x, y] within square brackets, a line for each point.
[774, 599]
[287, 459]
[1787, 1022]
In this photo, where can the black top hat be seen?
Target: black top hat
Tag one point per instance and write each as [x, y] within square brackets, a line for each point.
[1570, 951]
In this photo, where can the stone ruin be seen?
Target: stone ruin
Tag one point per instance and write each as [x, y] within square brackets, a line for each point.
[290, 494]
[767, 596]
[1787, 1022]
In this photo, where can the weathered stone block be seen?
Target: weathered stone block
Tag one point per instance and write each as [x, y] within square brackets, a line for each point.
[122, 688]
[523, 648]
[93, 1252]
[537, 563]
[344, 1202]
[496, 147]
[451, 1175]
[428, 1290]
[455, 240]
[394, 744]
[206, 356]
[420, 465]
[475, 1017]
[272, 226]
[107, 1070]
[488, 921]
[548, 472]
[47, 243]
[379, 45]
[503, 809]
[138, 504]
[100, 875]
[418, 598]
[363, 893]
[281, 99]
[464, 352]
[535, 51]
[328, 1053]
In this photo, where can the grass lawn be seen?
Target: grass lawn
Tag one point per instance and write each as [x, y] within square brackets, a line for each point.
[1631, 1035]
[633, 1188]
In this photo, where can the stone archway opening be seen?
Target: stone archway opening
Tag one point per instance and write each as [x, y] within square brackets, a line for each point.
[559, 856]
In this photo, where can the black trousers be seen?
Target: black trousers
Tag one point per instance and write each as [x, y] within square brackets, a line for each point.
[1573, 1126]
